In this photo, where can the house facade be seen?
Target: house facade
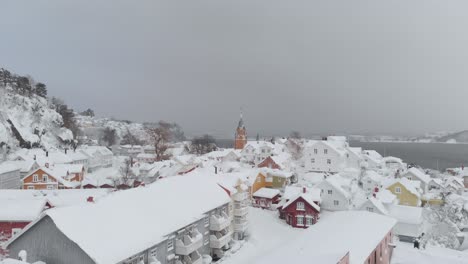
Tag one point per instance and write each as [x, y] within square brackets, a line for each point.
[406, 192]
[334, 197]
[324, 156]
[9, 176]
[300, 212]
[256, 151]
[265, 198]
[46, 178]
[201, 226]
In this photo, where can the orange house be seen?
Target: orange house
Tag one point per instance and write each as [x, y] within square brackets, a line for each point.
[260, 182]
[47, 179]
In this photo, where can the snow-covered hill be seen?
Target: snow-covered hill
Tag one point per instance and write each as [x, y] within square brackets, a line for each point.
[28, 120]
[93, 127]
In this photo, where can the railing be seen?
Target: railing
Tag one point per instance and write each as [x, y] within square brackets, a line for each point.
[189, 244]
[241, 211]
[219, 222]
[221, 241]
[240, 227]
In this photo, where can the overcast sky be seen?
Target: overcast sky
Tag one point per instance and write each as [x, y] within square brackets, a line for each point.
[385, 67]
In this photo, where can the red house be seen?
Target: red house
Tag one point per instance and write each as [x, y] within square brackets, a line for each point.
[269, 162]
[265, 198]
[16, 214]
[301, 211]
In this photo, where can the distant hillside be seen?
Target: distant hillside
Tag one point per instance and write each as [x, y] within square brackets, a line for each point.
[458, 137]
[27, 118]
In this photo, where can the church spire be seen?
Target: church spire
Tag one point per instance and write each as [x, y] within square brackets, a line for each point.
[241, 133]
[241, 120]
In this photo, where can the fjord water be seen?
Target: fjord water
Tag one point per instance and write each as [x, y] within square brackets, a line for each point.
[427, 155]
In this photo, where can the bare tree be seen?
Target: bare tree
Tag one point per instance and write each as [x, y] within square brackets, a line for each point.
[160, 137]
[202, 145]
[110, 136]
[126, 172]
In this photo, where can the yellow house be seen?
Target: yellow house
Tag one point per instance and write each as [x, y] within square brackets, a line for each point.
[260, 181]
[406, 192]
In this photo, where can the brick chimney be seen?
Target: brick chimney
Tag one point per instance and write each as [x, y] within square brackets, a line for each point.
[90, 199]
[304, 190]
[47, 165]
[47, 153]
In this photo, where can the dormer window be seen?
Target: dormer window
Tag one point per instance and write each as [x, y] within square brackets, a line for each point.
[325, 151]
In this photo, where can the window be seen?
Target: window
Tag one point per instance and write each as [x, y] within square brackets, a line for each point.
[328, 161]
[35, 178]
[207, 221]
[259, 179]
[397, 189]
[170, 245]
[30, 187]
[336, 202]
[330, 192]
[312, 160]
[300, 206]
[300, 220]
[154, 253]
[45, 178]
[263, 151]
[309, 221]
[206, 240]
[315, 151]
[325, 151]
[50, 187]
[370, 209]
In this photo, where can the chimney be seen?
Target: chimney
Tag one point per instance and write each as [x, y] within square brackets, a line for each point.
[374, 195]
[47, 153]
[90, 199]
[34, 156]
[66, 151]
[47, 165]
[304, 190]
[216, 170]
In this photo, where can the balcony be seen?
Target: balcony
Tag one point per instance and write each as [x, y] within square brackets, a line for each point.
[220, 240]
[193, 258]
[240, 196]
[243, 210]
[189, 243]
[219, 222]
[240, 226]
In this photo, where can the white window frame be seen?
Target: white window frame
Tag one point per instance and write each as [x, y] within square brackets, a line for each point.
[315, 151]
[30, 187]
[398, 189]
[301, 222]
[330, 192]
[45, 178]
[50, 187]
[170, 245]
[370, 209]
[336, 202]
[325, 151]
[35, 177]
[300, 206]
[309, 221]
[312, 160]
[329, 161]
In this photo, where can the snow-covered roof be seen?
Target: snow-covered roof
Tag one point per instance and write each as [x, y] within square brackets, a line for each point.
[406, 214]
[310, 196]
[21, 210]
[418, 174]
[266, 193]
[386, 196]
[336, 181]
[275, 173]
[411, 186]
[335, 234]
[376, 203]
[373, 175]
[8, 167]
[181, 199]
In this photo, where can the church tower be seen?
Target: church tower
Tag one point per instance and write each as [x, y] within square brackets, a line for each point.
[241, 135]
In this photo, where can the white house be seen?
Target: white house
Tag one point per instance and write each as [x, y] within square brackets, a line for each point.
[9, 176]
[334, 197]
[370, 181]
[373, 159]
[256, 151]
[416, 174]
[98, 156]
[325, 156]
[410, 221]
[374, 205]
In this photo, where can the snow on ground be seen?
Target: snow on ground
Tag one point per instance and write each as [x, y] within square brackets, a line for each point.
[404, 253]
[266, 233]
